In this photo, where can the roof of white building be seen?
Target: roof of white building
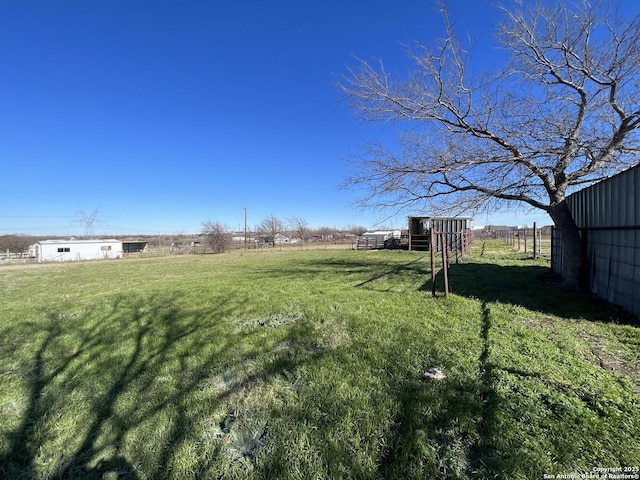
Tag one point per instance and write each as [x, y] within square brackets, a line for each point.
[381, 233]
[58, 241]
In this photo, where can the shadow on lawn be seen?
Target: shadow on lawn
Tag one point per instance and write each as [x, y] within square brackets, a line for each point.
[134, 364]
[118, 358]
[527, 284]
[61, 370]
[451, 429]
[531, 286]
[447, 428]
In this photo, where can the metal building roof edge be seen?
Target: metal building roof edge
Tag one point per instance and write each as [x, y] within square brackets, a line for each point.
[60, 241]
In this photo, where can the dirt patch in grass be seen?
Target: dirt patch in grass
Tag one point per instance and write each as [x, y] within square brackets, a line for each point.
[270, 321]
[602, 356]
[605, 356]
[242, 437]
[602, 352]
[541, 323]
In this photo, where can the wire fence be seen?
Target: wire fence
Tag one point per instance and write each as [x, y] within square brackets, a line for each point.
[535, 241]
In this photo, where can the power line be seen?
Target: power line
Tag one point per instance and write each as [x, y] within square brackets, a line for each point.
[35, 216]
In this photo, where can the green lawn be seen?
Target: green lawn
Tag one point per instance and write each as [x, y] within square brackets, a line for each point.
[309, 364]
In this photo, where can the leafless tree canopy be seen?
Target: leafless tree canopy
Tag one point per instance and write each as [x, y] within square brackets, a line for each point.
[300, 227]
[356, 229]
[271, 227]
[17, 244]
[563, 112]
[217, 236]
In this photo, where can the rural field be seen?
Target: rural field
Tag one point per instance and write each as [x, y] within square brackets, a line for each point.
[309, 364]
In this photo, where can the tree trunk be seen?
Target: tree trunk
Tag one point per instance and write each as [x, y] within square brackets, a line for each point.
[574, 262]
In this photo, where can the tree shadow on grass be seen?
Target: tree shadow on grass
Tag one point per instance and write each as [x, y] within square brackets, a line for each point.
[447, 428]
[64, 368]
[452, 428]
[469, 426]
[411, 266]
[534, 287]
[131, 369]
[137, 363]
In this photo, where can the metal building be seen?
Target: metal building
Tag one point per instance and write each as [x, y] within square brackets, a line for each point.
[608, 216]
[70, 250]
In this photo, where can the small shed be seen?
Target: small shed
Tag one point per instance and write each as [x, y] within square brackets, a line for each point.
[377, 239]
[134, 246]
[71, 250]
[456, 230]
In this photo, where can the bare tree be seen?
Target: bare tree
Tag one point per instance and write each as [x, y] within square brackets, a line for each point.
[562, 113]
[326, 233]
[179, 244]
[300, 227]
[217, 236]
[356, 229]
[16, 243]
[271, 227]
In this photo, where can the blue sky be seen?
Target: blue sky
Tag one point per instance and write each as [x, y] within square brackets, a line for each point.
[167, 114]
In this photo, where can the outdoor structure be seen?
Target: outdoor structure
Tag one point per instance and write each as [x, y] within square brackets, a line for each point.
[73, 250]
[281, 239]
[457, 232]
[378, 239]
[608, 216]
[134, 246]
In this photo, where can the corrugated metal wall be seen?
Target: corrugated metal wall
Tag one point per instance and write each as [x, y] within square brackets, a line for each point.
[608, 215]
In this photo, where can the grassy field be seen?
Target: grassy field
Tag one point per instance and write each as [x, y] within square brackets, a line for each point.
[310, 364]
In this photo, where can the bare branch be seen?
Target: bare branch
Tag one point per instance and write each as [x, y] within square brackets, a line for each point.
[563, 112]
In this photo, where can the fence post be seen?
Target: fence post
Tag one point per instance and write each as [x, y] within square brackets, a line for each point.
[551, 250]
[432, 247]
[535, 241]
[445, 265]
[539, 242]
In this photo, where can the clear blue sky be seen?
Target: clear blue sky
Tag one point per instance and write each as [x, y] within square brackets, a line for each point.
[166, 114]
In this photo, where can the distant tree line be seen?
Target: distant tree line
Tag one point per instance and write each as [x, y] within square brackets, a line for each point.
[215, 236]
[219, 237]
[16, 243]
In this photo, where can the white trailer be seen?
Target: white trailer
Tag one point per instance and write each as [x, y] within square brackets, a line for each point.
[377, 239]
[71, 250]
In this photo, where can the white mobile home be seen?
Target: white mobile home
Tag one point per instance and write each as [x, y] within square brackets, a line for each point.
[69, 250]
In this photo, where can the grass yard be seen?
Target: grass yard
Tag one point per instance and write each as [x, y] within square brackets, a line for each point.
[309, 365]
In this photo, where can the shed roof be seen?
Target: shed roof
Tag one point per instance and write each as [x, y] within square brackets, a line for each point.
[63, 241]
